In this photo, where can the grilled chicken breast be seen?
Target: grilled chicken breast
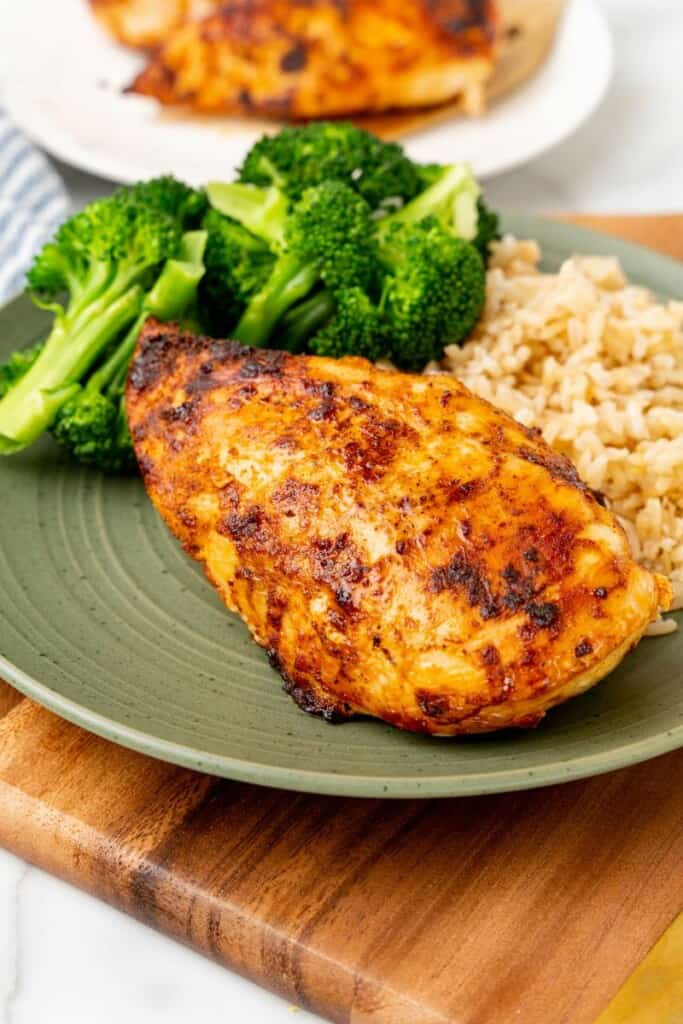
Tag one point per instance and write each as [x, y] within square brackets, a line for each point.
[325, 58]
[400, 547]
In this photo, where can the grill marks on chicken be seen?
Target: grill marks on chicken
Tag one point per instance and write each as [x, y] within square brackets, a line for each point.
[323, 58]
[400, 547]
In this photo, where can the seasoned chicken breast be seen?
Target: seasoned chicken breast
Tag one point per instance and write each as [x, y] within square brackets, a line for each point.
[323, 58]
[400, 547]
[147, 23]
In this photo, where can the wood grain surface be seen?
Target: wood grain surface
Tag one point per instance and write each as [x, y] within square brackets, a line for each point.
[532, 907]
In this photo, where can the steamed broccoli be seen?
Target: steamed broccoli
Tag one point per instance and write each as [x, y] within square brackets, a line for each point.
[450, 196]
[296, 158]
[304, 320]
[348, 322]
[356, 327]
[237, 266]
[332, 227]
[349, 280]
[487, 221]
[262, 211]
[433, 293]
[105, 258]
[327, 237]
[331, 242]
[92, 424]
[17, 365]
[171, 196]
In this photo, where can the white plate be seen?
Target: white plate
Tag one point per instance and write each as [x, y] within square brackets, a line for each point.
[62, 81]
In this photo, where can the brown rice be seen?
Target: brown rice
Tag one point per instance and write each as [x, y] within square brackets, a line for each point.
[597, 364]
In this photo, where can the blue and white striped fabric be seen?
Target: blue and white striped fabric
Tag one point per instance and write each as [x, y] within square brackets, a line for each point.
[33, 201]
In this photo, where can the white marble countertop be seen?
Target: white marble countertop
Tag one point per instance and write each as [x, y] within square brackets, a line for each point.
[65, 958]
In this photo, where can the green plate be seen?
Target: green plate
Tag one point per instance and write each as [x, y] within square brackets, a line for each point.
[104, 620]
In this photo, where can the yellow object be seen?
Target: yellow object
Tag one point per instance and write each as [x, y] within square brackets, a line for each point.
[654, 992]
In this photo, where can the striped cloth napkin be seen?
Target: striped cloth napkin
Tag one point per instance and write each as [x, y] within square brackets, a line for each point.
[33, 202]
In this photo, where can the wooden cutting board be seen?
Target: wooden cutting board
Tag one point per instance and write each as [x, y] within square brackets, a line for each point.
[532, 907]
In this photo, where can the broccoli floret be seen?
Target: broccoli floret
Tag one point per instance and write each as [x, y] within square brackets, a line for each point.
[173, 197]
[333, 227]
[432, 294]
[93, 428]
[105, 258]
[329, 290]
[237, 266]
[434, 290]
[327, 237]
[92, 424]
[357, 327]
[297, 158]
[17, 365]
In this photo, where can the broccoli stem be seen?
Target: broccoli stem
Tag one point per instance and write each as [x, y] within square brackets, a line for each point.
[171, 294]
[260, 210]
[289, 281]
[118, 383]
[269, 169]
[92, 424]
[304, 320]
[106, 291]
[451, 197]
[106, 379]
[29, 408]
[176, 287]
[82, 292]
[171, 291]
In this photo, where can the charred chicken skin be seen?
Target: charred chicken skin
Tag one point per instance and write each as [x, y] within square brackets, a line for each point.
[400, 547]
[323, 58]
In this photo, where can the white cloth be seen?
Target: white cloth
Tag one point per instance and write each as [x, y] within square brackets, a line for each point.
[33, 201]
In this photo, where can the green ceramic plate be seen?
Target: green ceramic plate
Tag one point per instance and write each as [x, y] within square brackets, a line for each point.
[104, 620]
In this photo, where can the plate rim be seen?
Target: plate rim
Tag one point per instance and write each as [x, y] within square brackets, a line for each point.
[71, 151]
[569, 237]
[347, 785]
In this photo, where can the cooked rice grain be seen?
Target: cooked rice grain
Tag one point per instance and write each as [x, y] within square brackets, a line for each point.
[597, 364]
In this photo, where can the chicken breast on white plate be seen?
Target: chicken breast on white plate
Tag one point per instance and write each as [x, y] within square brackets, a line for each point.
[322, 58]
